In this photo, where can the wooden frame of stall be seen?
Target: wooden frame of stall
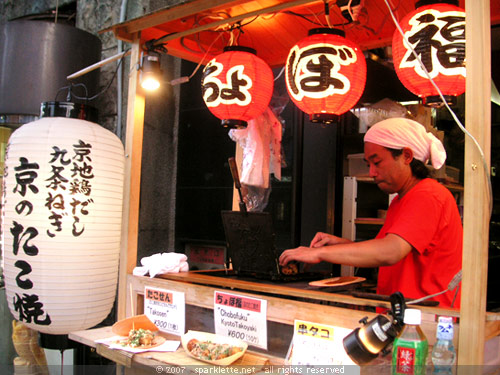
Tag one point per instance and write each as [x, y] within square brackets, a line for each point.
[475, 324]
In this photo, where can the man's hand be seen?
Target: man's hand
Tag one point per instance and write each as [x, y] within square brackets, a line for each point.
[325, 239]
[301, 254]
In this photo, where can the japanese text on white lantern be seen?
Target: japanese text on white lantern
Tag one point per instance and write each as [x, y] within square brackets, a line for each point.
[62, 214]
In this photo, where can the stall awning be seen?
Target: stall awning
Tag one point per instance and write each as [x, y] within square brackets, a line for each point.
[271, 27]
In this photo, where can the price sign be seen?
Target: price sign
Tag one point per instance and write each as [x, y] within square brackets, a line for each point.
[318, 344]
[241, 317]
[166, 309]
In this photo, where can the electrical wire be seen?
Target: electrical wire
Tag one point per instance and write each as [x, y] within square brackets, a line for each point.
[453, 115]
[316, 16]
[103, 90]
[203, 58]
[68, 96]
[384, 20]
[453, 284]
[304, 16]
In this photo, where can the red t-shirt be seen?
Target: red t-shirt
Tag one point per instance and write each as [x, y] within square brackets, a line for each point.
[426, 217]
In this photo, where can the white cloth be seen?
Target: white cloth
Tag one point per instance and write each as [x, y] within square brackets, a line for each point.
[158, 264]
[261, 143]
[401, 132]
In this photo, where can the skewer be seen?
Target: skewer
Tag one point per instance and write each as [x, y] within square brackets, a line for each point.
[132, 305]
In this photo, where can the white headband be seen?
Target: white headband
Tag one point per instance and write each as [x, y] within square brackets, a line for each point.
[397, 133]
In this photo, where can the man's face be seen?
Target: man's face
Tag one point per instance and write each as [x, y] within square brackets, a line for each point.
[389, 172]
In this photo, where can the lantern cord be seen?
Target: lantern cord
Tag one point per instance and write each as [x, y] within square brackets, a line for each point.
[280, 73]
[457, 120]
[204, 56]
[327, 14]
[349, 9]
[186, 79]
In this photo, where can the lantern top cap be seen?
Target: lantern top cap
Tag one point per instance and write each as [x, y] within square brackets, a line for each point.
[69, 110]
[421, 3]
[240, 49]
[326, 30]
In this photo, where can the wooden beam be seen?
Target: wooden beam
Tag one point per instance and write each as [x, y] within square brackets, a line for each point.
[234, 19]
[132, 188]
[172, 13]
[476, 204]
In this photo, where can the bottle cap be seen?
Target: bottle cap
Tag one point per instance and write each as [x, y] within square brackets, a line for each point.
[412, 316]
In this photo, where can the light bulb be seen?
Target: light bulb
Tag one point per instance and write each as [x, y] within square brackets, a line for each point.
[150, 72]
[149, 82]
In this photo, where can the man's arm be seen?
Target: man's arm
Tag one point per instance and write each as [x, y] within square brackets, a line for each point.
[372, 253]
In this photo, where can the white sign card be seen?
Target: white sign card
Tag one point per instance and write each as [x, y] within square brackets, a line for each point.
[166, 309]
[241, 317]
[318, 344]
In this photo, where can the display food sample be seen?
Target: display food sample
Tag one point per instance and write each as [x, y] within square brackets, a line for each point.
[142, 339]
[212, 348]
[124, 326]
[211, 351]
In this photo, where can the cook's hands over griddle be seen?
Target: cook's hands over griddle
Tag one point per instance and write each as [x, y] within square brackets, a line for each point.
[311, 255]
[300, 254]
[325, 239]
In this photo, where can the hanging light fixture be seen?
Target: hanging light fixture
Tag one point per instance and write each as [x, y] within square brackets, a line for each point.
[150, 71]
[61, 227]
[436, 31]
[325, 74]
[237, 86]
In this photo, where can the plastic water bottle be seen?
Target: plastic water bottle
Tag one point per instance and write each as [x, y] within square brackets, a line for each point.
[443, 353]
[409, 350]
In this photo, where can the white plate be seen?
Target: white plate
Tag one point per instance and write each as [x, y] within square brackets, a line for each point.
[337, 281]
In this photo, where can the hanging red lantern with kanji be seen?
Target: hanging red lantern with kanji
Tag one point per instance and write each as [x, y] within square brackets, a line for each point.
[237, 86]
[325, 74]
[436, 32]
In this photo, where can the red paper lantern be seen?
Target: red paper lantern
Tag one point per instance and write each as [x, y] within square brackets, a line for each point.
[436, 32]
[237, 86]
[325, 74]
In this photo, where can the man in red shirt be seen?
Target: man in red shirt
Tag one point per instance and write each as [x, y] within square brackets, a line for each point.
[419, 248]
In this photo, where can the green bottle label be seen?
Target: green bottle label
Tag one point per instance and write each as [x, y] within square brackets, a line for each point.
[409, 357]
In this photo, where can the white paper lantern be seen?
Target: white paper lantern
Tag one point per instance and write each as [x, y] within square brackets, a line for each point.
[62, 211]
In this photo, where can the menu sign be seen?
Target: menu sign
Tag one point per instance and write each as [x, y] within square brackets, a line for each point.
[241, 317]
[318, 344]
[166, 309]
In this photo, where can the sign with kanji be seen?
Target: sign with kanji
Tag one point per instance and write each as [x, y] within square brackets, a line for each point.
[241, 317]
[316, 344]
[166, 309]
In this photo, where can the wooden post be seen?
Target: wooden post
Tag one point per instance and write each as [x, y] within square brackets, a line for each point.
[476, 205]
[132, 190]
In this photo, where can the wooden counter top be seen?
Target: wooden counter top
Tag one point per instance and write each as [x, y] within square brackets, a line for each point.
[91, 338]
[296, 289]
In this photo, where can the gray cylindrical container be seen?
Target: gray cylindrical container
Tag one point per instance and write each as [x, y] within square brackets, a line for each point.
[35, 59]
